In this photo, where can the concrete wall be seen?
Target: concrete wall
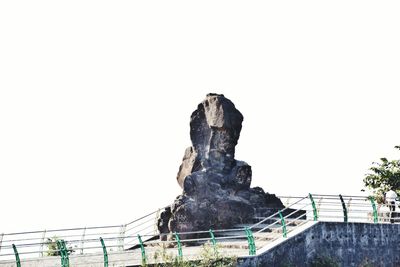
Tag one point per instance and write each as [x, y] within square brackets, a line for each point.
[347, 244]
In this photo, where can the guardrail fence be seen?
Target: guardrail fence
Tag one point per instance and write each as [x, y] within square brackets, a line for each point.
[139, 242]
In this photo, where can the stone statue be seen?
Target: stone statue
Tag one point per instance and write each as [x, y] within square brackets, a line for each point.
[216, 187]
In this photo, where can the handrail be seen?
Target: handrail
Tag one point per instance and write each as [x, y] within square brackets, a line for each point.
[130, 234]
[345, 196]
[60, 230]
[276, 213]
[146, 215]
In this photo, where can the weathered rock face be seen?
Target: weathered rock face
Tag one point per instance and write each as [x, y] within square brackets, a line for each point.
[216, 187]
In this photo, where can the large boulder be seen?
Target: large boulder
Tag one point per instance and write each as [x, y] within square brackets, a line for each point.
[216, 187]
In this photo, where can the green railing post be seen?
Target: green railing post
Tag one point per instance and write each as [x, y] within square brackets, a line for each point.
[375, 212]
[178, 240]
[17, 260]
[63, 253]
[313, 206]
[250, 240]
[104, 252]
[142, 250]
[283, 223]
[345, 218]
[213, 242]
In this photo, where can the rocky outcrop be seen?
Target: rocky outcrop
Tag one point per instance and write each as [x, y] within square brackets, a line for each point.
[216, 187]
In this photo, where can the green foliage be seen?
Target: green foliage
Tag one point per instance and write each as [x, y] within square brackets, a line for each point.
[163, 258]
[52, 249]
[208, 258]
[323, 261]
[211, 257]
[383, 176]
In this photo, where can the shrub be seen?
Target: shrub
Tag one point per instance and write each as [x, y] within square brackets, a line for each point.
[323, 261]
[209, 257]
[52, 248]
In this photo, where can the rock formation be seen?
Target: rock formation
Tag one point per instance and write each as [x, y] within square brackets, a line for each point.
[216, 187]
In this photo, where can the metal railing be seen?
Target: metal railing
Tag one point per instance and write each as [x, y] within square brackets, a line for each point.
[78, 241]
[140, 242]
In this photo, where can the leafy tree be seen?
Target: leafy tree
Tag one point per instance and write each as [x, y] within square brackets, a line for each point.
[383, 176]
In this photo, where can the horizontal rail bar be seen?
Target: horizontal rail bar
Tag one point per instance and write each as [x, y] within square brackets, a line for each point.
[66, 229]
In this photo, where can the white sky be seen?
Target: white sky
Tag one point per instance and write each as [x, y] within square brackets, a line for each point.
[96, 96]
